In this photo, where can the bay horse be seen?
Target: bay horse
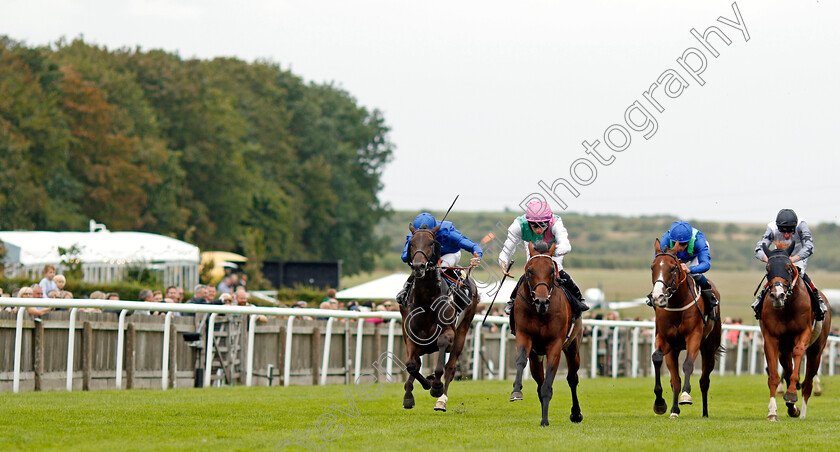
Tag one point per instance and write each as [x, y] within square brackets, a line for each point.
[790, 332]
[435, 318]
[681, 325]
[544, 326]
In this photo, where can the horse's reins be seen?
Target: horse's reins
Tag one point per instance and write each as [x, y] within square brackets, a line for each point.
[550, 289]
[429, 262]
[788, 286]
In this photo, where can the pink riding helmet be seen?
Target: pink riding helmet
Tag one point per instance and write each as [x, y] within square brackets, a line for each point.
[538, 211]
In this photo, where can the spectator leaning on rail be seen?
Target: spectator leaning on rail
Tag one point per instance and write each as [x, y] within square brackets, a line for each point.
[789, 230]
[694, 255]
[48, 284]
[540, 224]
[451, 240]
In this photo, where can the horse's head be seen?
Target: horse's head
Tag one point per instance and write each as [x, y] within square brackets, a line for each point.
[781, 275]
[666, 275]
[423, 250]
[541, 274]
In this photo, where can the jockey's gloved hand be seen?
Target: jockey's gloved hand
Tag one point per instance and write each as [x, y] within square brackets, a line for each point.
[475, 260]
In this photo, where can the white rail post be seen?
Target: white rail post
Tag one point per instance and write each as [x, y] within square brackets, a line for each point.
[739, 360]
[594, 359]
[635, 366]
[120, 346]
[503, 351]
[615, 353]
[357, 365]
[18, 344]
[249, 366]
[753, 353]
[208, 362]
[476, 353]
[832, 352]
[722, 367]
[164, 364]
[327, 348]
[287, 354]
[389, 366]
[71, 346]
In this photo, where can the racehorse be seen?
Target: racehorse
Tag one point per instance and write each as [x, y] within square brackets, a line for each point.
[436, 319]
[544, 326]
[681, 325]
[790, 332]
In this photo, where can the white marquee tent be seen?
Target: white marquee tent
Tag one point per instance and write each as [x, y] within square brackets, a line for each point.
[105, 255]
[387, 287]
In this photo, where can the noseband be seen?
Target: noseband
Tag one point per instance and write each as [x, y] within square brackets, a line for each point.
[788, 281]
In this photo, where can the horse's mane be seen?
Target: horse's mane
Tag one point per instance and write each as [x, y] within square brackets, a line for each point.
[541, 246]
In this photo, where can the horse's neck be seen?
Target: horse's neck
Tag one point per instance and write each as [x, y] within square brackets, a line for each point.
[429, 283]
[686, 292]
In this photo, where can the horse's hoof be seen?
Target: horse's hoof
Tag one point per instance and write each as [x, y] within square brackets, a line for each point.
[793, 411]
[660, 407]
[544, 423]
[790, 398]
[440, 406]
[685, 399]
[408, 404]
[675, 416]
[772, 418]
[425, 385]
[437, 390]
[576, 418]
[817, 390]
[516, 395]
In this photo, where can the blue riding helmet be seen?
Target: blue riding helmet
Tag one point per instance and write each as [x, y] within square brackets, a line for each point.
[424, 219]
[680, 231]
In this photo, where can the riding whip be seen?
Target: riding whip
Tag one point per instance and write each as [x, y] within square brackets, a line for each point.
[450, 208]
[500, 289]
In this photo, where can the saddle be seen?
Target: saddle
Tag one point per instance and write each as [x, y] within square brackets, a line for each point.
[459, 287]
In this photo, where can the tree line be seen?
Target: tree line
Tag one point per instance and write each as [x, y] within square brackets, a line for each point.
[221, 153]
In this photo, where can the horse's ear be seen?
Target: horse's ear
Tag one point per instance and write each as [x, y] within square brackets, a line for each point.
[412, 228]
[657, 246]
[551, 250]
[436, 228]
[766, 249]
[531, 250]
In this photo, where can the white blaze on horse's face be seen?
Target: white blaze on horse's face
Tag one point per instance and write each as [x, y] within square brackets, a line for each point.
[658, 292]
[778, 296]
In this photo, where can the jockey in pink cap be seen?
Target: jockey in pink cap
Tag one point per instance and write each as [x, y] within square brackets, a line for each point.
[540, 224]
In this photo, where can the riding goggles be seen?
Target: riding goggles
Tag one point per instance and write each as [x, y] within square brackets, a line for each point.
[539, 224]
[787, 229]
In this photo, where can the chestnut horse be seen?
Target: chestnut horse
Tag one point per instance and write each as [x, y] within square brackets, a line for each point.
[436, 318]
[790, 332]
[544, 326]
[680, 325]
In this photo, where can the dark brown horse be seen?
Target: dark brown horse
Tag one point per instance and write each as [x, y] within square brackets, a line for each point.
[790, 332]
[436, 318]
[680, 325]
[544, 326]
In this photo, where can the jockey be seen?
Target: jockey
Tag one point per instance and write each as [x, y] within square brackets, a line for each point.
[788, 230]
[539, 223]
[451, 240]
[693, 252]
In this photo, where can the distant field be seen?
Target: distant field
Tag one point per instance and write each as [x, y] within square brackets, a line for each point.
[736, 287]
[618, 416]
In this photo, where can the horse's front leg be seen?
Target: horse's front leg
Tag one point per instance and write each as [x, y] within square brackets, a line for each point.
[672, 360]
[552, 361]
[692, 349]
[443, 342]
[573, 362]
[798, 353]
[523, 349]
[659, 405]
[771, 353]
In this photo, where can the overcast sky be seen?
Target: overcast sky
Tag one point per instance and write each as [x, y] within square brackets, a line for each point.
[488, 99]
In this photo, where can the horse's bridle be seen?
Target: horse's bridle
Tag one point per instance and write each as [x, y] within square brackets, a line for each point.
[670, 289]
[788, 284]
[533, 288]
[430, 264]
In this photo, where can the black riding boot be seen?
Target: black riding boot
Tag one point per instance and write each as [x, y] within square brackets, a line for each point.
[756, 306]
[509, 307]
[576, 299]
[402, 297]
[708, 294]
[817, 303]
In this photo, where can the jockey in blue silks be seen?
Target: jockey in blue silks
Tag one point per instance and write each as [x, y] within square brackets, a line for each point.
[693, 252]
[451, 240]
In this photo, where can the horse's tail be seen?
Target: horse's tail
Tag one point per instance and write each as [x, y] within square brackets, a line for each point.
[719, 352]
